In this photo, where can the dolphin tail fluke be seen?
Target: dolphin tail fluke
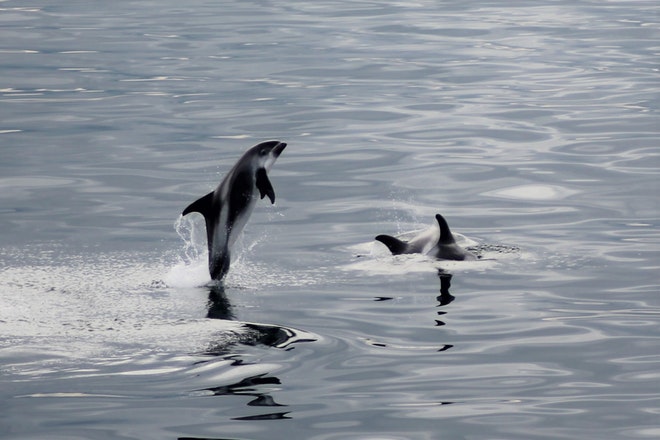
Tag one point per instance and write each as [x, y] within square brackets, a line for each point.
[395, 245]
[446, 236]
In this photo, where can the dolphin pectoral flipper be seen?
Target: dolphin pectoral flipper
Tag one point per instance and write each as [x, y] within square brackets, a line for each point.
[395, 245]
[264, 186]
[202, 205]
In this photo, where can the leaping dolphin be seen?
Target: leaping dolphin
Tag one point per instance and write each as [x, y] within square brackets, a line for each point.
[226, 209]
[442, 246]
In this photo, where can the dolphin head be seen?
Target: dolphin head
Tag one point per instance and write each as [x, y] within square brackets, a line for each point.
[266, 153]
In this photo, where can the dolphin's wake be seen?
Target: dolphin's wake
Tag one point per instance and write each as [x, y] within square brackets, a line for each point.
[375, 259]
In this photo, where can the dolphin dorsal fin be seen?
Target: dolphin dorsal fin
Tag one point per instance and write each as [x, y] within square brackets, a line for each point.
[395, 245]
[446, 236]
[203, 205]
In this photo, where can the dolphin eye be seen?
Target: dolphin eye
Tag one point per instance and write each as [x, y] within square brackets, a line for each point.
[263, 152]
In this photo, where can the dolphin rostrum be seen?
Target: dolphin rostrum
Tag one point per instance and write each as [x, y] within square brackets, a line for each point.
[442, 246]
[226, 209]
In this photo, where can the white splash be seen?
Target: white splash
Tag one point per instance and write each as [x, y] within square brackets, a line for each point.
[191, 270]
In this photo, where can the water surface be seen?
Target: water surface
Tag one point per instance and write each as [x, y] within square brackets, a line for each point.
[532, 128]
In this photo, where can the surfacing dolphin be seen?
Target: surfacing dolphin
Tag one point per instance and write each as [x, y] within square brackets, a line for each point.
[226, 209]
[442, 246]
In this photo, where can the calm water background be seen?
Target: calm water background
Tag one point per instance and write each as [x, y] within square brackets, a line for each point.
[532, 126]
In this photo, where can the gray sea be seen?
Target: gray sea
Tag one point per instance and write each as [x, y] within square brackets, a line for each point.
[532, 126]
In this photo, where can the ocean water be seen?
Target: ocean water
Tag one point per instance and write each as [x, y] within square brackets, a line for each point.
[533, 127]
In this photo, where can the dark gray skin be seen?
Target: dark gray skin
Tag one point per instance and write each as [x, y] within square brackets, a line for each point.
[443, 247]
[226, 209]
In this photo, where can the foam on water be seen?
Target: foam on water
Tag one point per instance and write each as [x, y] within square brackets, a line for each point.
[94, 302]
[64, 307]
[191, 269]
[194, 273]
